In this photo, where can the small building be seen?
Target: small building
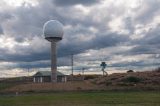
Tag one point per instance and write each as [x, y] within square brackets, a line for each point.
[45, 76]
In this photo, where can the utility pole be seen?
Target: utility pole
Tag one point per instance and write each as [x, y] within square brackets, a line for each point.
[83, 72]
[72, 63]
[28, 72]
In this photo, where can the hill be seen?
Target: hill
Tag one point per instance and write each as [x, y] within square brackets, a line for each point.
[118, 81]
[148, 80]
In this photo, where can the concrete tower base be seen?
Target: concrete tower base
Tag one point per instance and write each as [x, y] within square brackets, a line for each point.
[53, 62]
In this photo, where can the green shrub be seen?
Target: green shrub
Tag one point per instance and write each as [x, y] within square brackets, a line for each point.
[130, 71]
[126, 84]
[157, 69]
[113, 78]
[108, 83]
[79, 88]
[87, 77]
[132, 79]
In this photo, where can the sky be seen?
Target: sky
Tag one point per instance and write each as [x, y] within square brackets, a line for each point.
[123, 33]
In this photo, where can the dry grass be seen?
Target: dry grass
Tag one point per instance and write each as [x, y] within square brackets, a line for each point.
[68, 86]
[118, 81]
[137, 80]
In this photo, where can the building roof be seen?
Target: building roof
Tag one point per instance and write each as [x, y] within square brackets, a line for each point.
[47, 73]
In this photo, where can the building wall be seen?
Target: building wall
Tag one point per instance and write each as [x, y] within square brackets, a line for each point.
[61, 79]
[47, 79]
[40, 79]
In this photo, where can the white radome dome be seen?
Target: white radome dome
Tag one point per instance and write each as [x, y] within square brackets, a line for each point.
[53, 29]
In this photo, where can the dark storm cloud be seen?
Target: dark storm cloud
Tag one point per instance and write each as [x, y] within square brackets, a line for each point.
[148, 10]
[106, 40]
[1, 30]
[25, 58]
[74, 2]
[27, 23]
[144, 49]
[152, 37]
[27, 65]
[64, 61]
[5, 15]
[135, 64]
[2, 56]
[26, 53]
[149, 44]
[98, 42]
[33, 65]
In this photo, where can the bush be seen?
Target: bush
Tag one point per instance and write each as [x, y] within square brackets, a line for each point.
[158, 69]
[130, 71]
[79, 88]
[125, 84]
[113, 78]
[132, 79]
[87, 77]
[108, 83]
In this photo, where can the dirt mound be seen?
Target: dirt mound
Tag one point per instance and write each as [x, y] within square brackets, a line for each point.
[149, 80]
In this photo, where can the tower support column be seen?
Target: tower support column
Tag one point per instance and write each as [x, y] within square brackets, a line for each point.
[53, 62]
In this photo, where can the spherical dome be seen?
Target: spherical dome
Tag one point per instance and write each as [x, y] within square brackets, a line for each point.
[53, 29]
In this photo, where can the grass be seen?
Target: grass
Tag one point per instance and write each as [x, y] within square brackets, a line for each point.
[83, 99]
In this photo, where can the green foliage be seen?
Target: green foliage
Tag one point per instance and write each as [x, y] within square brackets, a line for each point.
[87, 77]
[130, 71]
[157, 69]
[79, 88]
[108, 83]
[132, 79]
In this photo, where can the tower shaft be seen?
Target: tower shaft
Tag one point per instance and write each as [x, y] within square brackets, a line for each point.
[53, 62]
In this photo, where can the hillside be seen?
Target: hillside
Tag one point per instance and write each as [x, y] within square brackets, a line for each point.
[118, 81]
[135, 80]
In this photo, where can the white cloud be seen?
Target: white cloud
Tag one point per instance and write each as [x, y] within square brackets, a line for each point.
[21, 2]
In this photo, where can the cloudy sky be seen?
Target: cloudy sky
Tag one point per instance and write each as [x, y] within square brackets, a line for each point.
[123, 33]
